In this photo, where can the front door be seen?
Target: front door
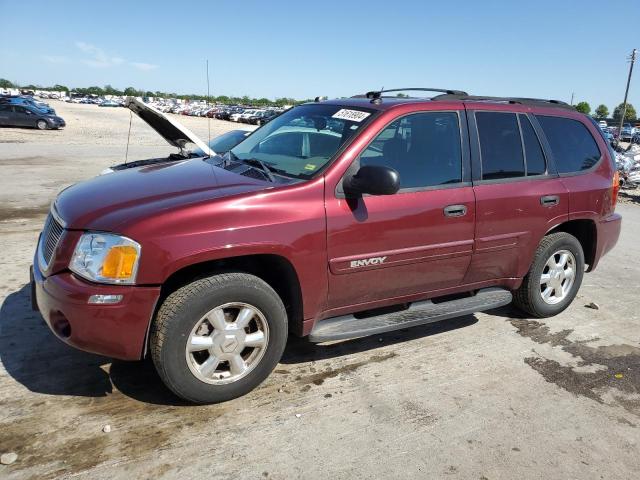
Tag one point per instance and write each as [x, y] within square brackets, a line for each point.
[23, 117]
[6, 114]
[383, 248]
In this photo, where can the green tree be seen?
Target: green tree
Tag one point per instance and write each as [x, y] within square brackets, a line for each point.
[583, 107]
[602, 111]
[629, 115]
[4, 83]
[60, 88]
[132, 92]
[109, 90]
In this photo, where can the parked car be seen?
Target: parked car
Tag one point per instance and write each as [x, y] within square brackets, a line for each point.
[13, 115]
[30, 102]
[235, 117]
[627, 132]
[259, 115]
[109, 103]
[406, 211]
[602, 124]
[267, 118]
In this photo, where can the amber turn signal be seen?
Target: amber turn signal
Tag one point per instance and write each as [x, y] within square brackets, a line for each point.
[119, 262]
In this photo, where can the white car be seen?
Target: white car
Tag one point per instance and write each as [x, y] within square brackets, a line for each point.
[235, 117]
[602, 124]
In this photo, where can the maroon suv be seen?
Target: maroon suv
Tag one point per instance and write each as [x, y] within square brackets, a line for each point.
[338, 219]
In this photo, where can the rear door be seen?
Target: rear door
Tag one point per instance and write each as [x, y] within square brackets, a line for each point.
[418, 240]
[519, 195]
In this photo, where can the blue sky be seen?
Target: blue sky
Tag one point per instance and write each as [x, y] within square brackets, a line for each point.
[302, 49]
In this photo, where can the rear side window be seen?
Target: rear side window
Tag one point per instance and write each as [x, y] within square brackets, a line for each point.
[532, 149]
[573, 147]
[500, 145]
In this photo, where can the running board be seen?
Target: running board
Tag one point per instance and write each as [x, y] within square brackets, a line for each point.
[419, 313]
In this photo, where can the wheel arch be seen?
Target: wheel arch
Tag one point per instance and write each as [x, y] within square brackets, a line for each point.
[276, 270]
[586, 232]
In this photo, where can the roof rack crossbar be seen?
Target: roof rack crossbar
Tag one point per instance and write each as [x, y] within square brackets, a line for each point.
[512, 100]
[375, 94]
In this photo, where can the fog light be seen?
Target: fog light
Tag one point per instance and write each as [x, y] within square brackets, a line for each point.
[104, 299]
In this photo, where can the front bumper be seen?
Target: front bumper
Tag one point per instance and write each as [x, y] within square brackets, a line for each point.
[117, 331]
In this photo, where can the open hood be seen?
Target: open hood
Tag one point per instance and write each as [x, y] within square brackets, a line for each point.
[174, 133]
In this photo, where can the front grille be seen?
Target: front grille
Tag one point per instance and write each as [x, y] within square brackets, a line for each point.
[50, 237]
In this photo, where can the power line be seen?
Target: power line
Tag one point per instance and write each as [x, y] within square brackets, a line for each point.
[632, 59]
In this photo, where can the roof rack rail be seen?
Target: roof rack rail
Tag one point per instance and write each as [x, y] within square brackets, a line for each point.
[511, 100]
[376, 94]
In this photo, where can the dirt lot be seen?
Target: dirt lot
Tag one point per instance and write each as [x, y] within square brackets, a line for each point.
[487, 396]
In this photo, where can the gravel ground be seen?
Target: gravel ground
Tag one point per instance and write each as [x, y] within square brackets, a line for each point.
[486, 396]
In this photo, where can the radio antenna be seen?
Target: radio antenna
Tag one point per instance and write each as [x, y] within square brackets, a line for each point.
[208, 105]
[126, 153]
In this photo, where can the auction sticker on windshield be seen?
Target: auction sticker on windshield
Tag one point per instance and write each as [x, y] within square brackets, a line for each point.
[350, 115]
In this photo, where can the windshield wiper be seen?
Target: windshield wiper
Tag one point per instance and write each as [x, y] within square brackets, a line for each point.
[264, 168]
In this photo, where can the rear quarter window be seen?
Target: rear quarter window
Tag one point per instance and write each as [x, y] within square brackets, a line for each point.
[573, 147]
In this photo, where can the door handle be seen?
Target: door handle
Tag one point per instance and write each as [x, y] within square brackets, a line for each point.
[455, 211]
[549, 200]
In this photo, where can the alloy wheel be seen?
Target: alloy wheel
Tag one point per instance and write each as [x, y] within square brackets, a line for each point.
[558, 276]
[227, 343]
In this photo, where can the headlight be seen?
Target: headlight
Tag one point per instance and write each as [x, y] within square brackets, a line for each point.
[106, 258]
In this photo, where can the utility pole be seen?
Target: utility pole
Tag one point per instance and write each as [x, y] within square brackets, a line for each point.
[571, 98]
[626, 92]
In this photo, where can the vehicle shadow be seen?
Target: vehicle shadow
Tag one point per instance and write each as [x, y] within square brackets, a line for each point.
[35, 358]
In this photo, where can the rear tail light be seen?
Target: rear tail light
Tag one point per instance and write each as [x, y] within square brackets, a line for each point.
[615, 188]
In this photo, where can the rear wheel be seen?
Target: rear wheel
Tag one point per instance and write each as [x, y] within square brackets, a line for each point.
[219, 337]
[42, 125]
[554, 277]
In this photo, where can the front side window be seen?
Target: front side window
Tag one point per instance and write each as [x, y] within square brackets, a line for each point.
[424, 148]
[573, 147]
[304, 139]
[500, 145]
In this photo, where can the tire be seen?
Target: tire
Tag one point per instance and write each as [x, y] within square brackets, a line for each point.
[181, 320]
[529, 297]
[42, 125]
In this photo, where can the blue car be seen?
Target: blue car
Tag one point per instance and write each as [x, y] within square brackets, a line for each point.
[26, 101]
[12, 115]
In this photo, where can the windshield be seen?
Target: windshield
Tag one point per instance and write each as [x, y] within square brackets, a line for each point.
[304, 139]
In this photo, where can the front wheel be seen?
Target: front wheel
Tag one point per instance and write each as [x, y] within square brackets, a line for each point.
[42, 125]
[554, 277]
[219, 337]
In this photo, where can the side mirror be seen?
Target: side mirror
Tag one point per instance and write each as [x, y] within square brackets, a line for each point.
[374, 180]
